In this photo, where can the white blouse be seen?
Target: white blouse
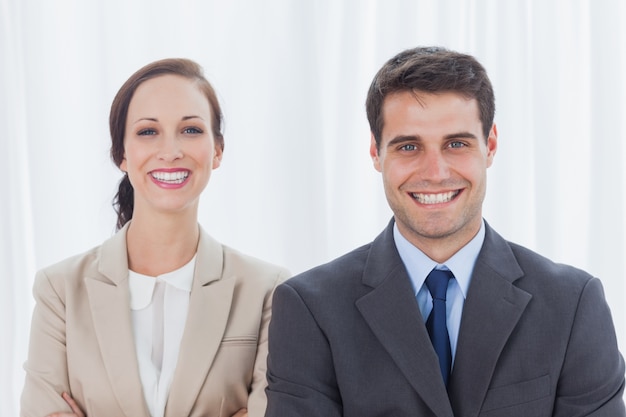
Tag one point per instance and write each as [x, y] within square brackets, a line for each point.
[159, 309]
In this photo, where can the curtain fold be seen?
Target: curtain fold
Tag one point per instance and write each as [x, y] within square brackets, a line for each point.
[17, 260]
[296, 185]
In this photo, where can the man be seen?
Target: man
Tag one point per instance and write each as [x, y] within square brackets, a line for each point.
[439, 315]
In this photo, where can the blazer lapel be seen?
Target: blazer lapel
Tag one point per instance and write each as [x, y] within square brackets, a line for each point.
[209, 306]
[109, 300]
[492, 309]
[392, 313]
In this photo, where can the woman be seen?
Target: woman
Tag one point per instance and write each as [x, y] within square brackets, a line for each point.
[161, 319]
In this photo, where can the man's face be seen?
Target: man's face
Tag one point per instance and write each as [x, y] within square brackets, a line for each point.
[434, 158]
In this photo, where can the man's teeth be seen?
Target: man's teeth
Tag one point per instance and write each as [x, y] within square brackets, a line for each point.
[435, 198]
[170, 177]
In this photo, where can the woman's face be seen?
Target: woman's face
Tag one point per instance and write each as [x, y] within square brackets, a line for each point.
[169, 148]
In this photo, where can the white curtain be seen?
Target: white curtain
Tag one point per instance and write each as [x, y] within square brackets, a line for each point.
[296, 186]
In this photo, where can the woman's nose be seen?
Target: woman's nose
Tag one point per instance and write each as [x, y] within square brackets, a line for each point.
[170, 149]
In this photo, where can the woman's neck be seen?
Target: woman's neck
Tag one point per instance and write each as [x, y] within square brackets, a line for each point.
[160, 245]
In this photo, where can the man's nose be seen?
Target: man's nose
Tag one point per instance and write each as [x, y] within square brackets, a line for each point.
[434, 166]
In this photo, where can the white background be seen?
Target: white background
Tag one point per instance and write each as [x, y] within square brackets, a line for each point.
[297, 186]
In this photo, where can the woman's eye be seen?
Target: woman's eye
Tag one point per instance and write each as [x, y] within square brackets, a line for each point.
[192, 130]
[146, 132]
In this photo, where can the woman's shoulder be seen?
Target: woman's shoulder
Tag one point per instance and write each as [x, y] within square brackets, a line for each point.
[234, 262]
[87, 263]
[77, 262]
[251, 265]
[67, 275]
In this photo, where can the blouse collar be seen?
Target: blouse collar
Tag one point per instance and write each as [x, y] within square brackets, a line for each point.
[142, 286]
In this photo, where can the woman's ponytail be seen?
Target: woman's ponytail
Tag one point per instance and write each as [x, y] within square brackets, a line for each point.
[123, 202]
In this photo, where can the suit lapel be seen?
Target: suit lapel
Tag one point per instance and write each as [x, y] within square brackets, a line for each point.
[391, 311]
[492, 310]
[209, 306]
[109, 300]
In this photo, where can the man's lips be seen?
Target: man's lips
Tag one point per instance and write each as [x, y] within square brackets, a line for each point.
[435, 198]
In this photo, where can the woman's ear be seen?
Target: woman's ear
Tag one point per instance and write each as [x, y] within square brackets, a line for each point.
[217, 156]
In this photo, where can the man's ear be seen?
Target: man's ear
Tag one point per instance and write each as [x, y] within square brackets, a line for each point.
[492, 144]
[374, 153]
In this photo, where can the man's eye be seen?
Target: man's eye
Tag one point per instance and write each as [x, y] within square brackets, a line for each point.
[408, 147]
[192, 130]
[457, 144]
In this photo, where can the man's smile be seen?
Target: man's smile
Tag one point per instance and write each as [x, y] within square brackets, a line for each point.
[438, 198]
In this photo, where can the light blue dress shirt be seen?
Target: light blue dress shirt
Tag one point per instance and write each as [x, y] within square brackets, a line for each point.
[418, 266]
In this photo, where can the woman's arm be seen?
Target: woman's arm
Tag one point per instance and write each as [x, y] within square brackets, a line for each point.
[46, 365]
[257, 400]
[76, 411]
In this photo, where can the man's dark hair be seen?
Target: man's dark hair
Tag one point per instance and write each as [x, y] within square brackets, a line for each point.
[430, 70]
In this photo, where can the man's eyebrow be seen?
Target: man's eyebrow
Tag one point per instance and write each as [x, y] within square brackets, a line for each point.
[404, 138]
[416, 138]
[461, 135]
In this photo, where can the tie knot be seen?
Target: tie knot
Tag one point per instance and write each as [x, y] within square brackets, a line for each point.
[437, 283]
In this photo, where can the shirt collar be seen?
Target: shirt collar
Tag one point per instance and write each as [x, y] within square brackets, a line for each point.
[419, 265]
[142, 286]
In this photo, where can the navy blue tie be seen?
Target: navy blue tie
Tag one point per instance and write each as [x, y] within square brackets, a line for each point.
[437, 283]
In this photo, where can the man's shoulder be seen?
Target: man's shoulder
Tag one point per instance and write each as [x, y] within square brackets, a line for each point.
[533, 262]
[339, 271]
[550, 283]
[544, 277]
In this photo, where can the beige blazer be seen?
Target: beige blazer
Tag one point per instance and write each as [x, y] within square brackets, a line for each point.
[82, 340]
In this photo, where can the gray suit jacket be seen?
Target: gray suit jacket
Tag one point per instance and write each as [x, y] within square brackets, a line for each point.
[536, 339]
[82, 338]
